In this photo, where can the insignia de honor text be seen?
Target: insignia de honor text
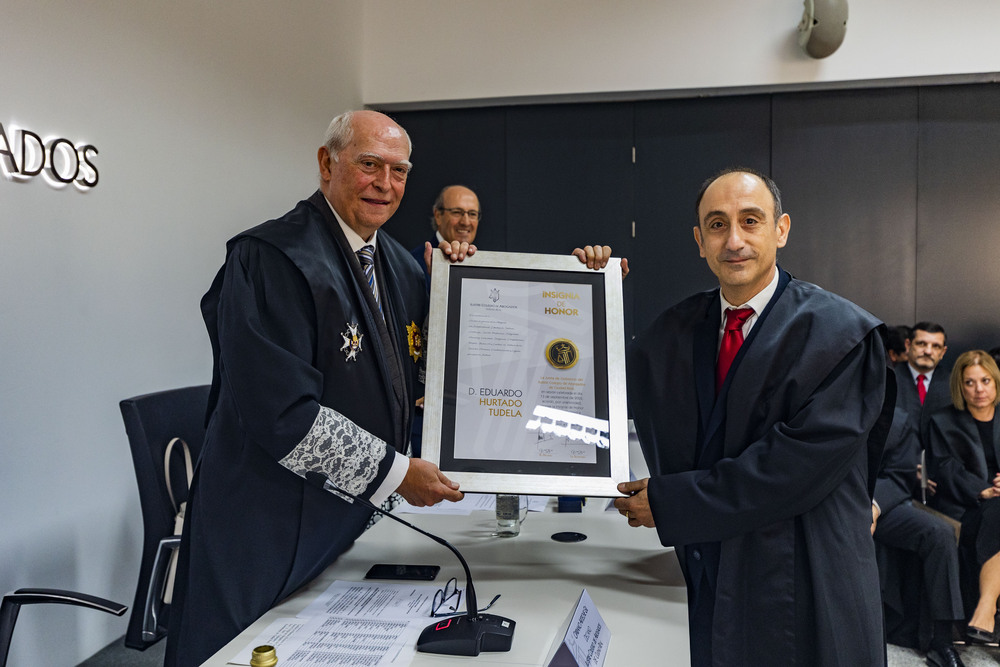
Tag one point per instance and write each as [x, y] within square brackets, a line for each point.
[562, 353]
[352, 342]
[415, 340]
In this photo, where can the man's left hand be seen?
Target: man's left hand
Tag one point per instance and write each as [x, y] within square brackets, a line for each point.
[596, 257]
[635, 508]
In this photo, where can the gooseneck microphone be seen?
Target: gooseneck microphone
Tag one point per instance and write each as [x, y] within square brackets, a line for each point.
[456, 635]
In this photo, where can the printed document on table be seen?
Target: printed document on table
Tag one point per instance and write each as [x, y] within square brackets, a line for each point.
[464, 507]
[367, 600]
[336, 640]
[469, 504]
[351, 623]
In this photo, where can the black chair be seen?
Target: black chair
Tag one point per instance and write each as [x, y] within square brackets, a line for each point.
[12, 602]
[151, 421]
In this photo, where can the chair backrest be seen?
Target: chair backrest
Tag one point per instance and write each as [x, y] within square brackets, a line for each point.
[151, 421]
[12, 602]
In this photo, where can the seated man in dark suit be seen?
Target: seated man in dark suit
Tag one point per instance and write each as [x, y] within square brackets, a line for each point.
[920, 390]
[903, 525]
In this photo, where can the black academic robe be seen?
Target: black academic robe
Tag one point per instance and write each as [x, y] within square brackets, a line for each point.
[418, 254]
[765, 491]
[959, 459]
[279, 316]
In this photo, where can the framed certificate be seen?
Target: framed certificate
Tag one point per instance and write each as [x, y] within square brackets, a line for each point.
[525, 388]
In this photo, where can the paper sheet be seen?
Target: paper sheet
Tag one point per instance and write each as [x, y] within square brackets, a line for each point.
[377, 601]
[464, 507]
[469, 504]
[351, 623]
[334, 640]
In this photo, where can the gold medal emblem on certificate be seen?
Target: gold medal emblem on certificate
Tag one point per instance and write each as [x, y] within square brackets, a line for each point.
[562, 353]
[415, 340]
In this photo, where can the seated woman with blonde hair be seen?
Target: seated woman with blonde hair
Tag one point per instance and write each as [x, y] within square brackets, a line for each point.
[965, 446]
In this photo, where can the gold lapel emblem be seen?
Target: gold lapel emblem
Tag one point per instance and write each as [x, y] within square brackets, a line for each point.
[352, 342]
[415, 340]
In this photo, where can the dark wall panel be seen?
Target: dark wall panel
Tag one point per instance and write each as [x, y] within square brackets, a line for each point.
[680, 143]
[958, 222]
[569, 177]
[569, 180]
[460, 146]
[846, 163]
[892, 192]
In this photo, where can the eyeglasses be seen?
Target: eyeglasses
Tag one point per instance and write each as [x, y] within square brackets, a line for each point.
[372, 164]
[461, 213]
[443, 604]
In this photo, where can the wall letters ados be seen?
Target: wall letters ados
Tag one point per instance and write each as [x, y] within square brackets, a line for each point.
[58, 159]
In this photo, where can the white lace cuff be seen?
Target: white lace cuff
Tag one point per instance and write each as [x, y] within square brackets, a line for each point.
[335, 446]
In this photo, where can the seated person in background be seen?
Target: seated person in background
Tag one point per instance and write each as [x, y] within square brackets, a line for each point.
[995, 353]
[965, 444]
[920, 389]
[902, 525]
[897, 338]
[455, 217]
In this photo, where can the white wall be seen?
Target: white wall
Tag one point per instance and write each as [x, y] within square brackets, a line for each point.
[462, 49]
[207, 116]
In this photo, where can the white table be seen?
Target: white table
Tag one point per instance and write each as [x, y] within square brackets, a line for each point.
[635, 583]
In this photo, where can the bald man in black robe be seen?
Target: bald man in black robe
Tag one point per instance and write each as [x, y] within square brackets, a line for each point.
[760, 478]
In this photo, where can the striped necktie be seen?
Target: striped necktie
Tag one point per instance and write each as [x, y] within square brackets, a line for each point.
[367, 258]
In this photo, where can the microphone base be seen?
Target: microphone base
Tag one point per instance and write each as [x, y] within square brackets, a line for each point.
[462, 635]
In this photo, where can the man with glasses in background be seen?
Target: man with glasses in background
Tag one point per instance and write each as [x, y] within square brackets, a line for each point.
[456, 216]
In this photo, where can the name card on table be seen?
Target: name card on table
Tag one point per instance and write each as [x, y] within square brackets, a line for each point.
[583, 640]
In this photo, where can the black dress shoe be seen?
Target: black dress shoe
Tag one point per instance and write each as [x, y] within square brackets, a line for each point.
[980, 636]
[945, 656]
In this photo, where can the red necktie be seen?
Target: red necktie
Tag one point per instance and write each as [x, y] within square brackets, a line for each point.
[732, 339]
[921, 387]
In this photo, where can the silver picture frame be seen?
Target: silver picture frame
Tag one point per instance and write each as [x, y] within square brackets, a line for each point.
[484, 448]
